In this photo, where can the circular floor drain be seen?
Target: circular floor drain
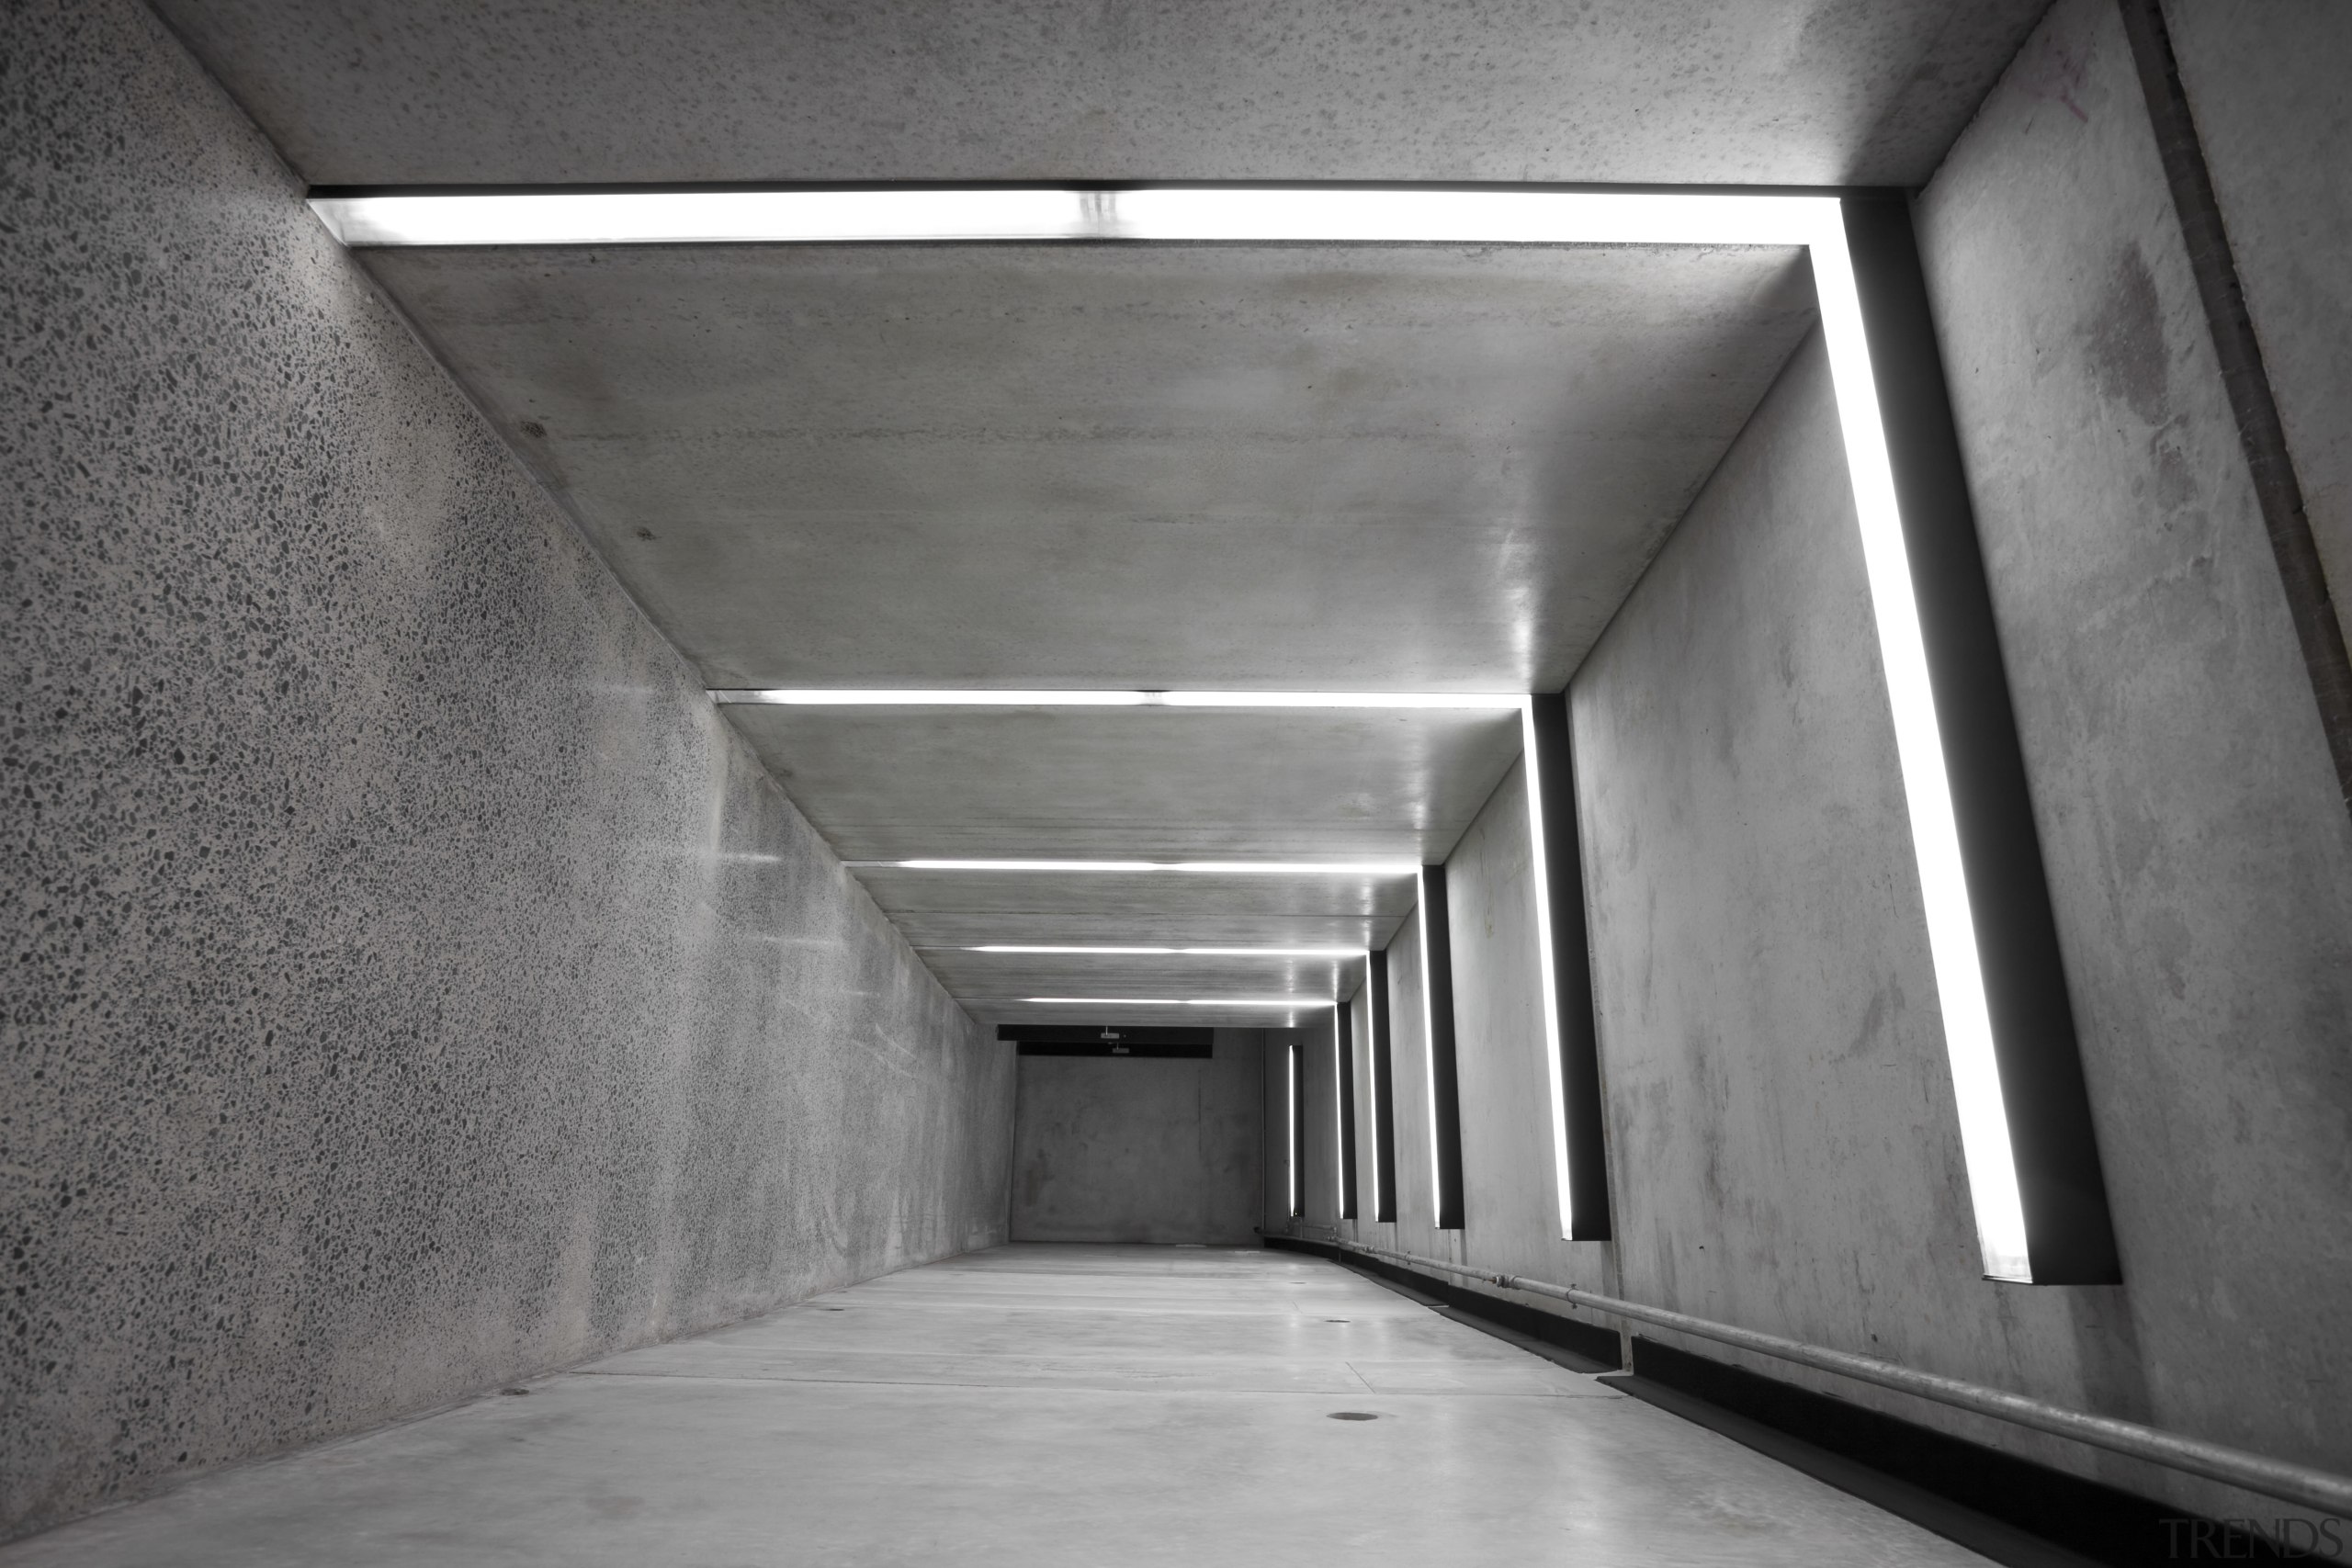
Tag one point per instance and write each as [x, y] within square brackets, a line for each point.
[1353, 1415]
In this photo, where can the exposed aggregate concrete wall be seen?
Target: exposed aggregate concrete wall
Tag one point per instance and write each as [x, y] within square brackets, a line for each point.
[413, 983]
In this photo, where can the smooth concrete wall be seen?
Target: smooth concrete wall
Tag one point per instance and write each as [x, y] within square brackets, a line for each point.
[2266, 85]
[413, 984]
[1784, 1144]
[1511, 1203]
[1140, 1149]
[2201, 860]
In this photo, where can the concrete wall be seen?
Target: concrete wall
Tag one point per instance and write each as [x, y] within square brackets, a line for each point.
[1113, 1149]
[1784, 1149]
[2201, 863]
[2265, 85]
[1783, 1142]
[1510, 1204]
[413, 983]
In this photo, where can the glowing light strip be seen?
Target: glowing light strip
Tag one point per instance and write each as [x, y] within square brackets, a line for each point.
[1428, 1044]
[1339, 1109]
[1309, 1003]
[1297, 1156]
[1926, 787]
[888, 217]
[1191, 868]
[853, 697]
[1407, 216]
[1184, 952]
[1541, 869]
[1371, 1097]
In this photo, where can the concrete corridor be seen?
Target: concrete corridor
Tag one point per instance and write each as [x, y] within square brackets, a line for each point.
[1032, 1405]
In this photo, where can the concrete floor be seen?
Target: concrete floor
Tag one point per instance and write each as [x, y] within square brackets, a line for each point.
[1032, 1405]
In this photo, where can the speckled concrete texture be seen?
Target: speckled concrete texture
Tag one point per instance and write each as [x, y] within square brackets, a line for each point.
[1683, 90]
[2266, 76]
[411, 983]
[2201, 864]
[1111, 1149]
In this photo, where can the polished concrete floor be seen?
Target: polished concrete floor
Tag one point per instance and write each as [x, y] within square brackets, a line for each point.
[1034, 1404]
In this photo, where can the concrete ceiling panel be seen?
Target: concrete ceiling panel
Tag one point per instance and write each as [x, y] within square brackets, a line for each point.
[995, 978]
[1770, 92]
[1135, 782]
[990, 1014]
[1417, 467]
[960, 908]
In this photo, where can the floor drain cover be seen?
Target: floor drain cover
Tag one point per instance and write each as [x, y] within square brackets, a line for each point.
[1353, 1415]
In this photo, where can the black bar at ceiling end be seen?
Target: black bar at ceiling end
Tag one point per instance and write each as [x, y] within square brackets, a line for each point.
[1445, 1088]
[2070, 1238]
[1384, 1095]
[1107, 1035]
[1571, 969]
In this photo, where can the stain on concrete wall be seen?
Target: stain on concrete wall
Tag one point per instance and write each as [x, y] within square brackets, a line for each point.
[413, 983]
[1110, 1149]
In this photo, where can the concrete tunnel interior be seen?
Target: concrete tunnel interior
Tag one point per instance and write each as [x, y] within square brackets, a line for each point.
[1087, 782]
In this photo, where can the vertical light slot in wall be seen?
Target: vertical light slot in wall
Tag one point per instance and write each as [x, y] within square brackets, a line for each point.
[1297, 1123]
[1343, 1077]
[1437, 1035]
[1564, 958]
[1384, 1084]
[2024, 1111]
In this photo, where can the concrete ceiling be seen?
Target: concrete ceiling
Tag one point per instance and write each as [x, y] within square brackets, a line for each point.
[1772, 92]
[1344, 467]
[1353, 468]
[1403, 468]
[1135, 782]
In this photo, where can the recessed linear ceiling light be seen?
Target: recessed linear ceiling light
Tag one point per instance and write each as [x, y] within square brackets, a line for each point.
[1185, 951]
[1405, 215]
[1197, 867]
[1472, 701]
[1293, 1002]
[1402, 216]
